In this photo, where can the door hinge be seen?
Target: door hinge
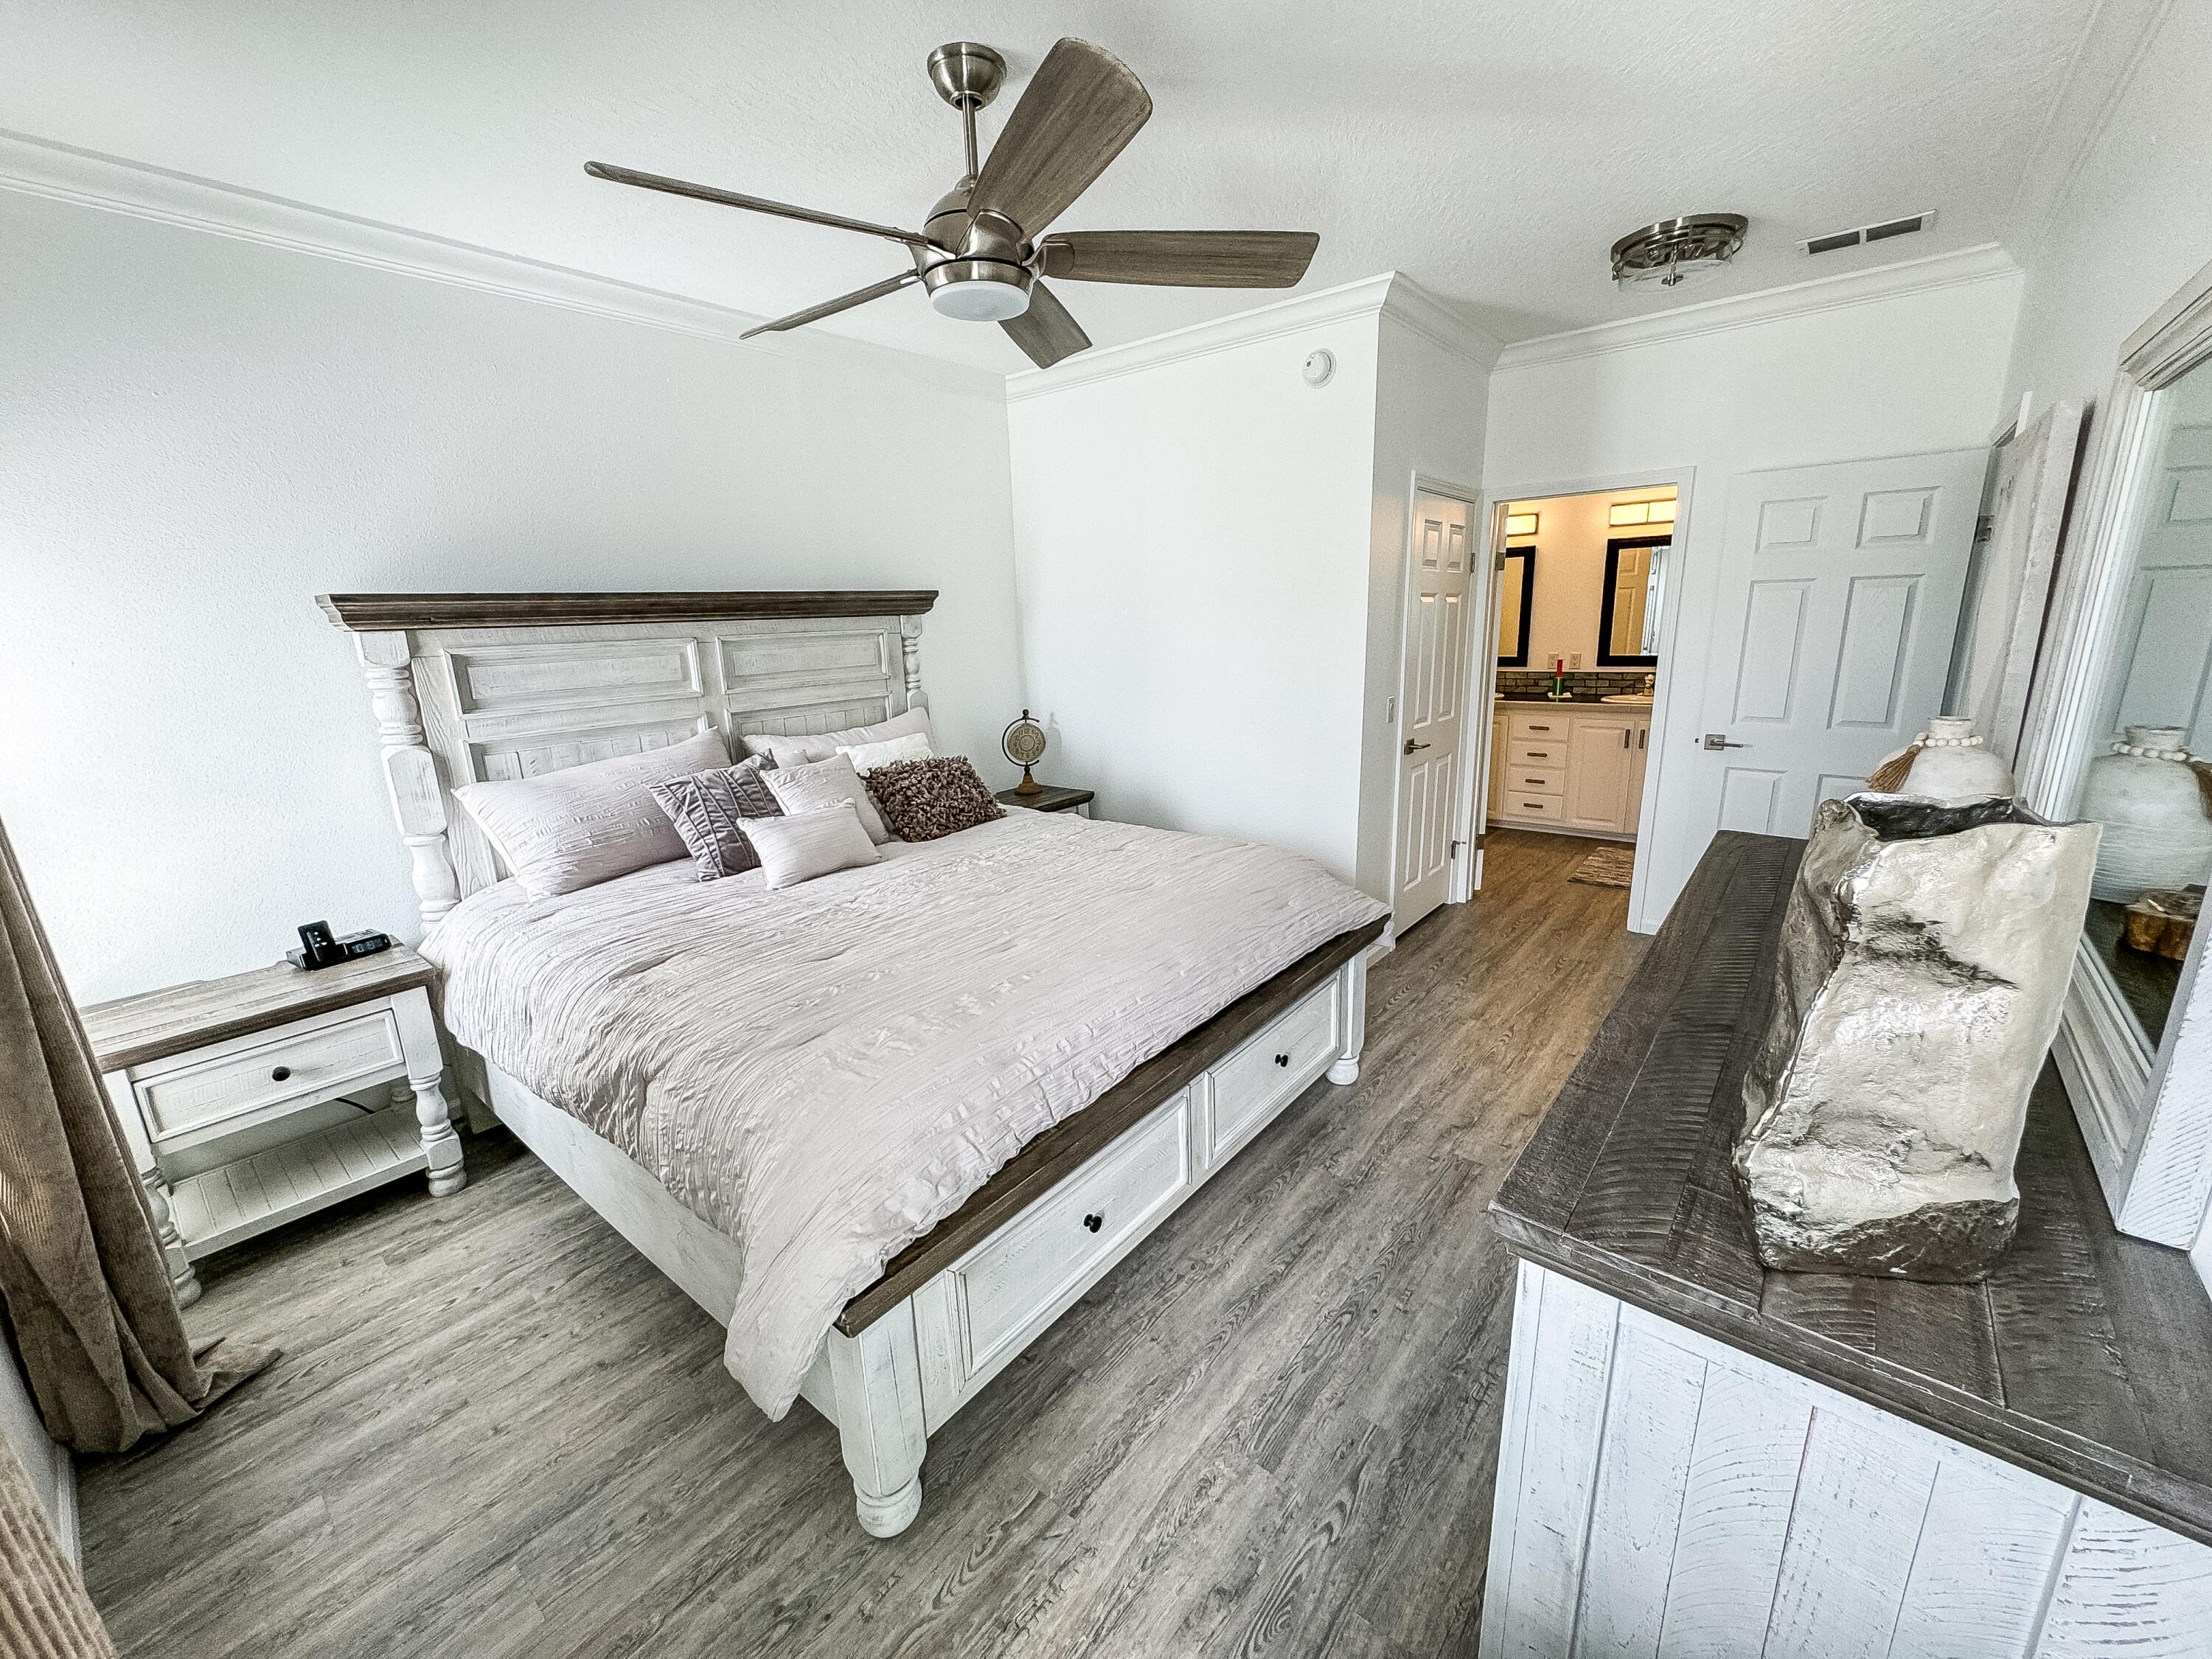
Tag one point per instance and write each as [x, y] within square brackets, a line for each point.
[1455, 846]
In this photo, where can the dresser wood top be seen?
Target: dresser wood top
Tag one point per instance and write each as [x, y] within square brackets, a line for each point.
[2086, 1357]
[158, 1024]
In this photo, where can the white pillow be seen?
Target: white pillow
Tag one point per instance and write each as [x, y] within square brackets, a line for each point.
[585, 824]
[800, 845]
[821, 785]
[802, 748]
[868, 757]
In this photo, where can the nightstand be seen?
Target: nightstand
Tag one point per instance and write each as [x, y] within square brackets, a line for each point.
[1050, 797]
[229, 1091]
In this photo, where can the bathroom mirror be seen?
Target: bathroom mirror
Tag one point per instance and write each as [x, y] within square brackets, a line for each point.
[1634, 598]
[1516, 597]
[2119, 721]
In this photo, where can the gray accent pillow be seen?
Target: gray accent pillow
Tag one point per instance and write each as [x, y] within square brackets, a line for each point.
[801, 846]
[585, 824]
[923, 799]
[708, 810]
[825, 783]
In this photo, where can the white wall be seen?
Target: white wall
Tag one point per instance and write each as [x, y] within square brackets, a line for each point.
[1191, 552]
[1887, 373]
[1209, 557]
[199, 434]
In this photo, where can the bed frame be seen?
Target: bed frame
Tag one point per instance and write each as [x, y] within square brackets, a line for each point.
[472, 687]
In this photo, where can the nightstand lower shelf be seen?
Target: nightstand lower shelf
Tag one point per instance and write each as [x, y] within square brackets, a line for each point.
[225, 1205]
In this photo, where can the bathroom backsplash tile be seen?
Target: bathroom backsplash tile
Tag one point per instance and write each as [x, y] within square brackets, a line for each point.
[1584, 682]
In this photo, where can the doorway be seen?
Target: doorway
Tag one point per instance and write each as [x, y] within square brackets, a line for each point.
[1583, 581]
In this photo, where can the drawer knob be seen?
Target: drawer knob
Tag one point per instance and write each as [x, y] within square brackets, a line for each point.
[1094, 1222]
[1282, 1059]
[280, 1073]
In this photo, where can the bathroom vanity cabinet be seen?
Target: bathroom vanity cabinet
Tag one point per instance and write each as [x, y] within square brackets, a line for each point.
[1574, 768]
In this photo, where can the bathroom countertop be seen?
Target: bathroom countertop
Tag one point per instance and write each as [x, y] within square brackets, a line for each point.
[2086, 1357]
[1567, 702]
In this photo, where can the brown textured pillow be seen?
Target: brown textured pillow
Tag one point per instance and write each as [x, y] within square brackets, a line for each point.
[708, 810]
[923, 799]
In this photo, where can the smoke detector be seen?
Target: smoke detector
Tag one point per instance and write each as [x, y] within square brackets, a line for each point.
[1880, 233]
[1674, 251]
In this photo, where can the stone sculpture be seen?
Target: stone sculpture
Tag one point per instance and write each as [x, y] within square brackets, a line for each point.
[1925, 954]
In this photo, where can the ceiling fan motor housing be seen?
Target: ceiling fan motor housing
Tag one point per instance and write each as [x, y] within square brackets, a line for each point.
[988, 278]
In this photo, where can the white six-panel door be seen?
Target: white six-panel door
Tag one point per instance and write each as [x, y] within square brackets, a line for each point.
[1431, 704]
[1838, 604]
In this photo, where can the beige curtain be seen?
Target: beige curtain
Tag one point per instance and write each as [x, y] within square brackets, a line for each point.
[81, 1276]
[44, 1611]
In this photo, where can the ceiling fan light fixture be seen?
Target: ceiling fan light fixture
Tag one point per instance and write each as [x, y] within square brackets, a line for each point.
[1674, 250]
[978, 291]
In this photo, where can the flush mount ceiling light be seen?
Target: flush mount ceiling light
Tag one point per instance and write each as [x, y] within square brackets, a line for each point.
[1674, 250]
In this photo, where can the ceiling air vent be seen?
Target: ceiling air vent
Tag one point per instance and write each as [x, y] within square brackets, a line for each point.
[1880, 233]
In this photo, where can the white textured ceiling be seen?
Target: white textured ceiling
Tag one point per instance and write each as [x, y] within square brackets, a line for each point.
[1493, 149]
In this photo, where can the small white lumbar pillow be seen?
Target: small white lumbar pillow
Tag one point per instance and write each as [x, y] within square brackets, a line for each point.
[824, 783]
[867, 757]
[803, 748]
[585, 824]
[800, 845]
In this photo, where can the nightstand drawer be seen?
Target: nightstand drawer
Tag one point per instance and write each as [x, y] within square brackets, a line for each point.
[1542, 725]
[1536, 753]
[1534, 777]
[196, 1092]
[1524, 803]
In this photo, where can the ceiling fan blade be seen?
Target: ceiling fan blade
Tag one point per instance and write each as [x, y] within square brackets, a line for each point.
[1182, 259]
[1079, 110]
[1045, 331]
[859, 296]
[754, 204]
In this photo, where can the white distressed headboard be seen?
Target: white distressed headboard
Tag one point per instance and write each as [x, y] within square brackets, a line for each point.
[470, 687]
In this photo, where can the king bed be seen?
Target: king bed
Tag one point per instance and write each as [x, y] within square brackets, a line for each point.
[887, 1124]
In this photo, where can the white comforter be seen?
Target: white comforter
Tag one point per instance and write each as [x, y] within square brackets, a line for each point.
[826, 1073]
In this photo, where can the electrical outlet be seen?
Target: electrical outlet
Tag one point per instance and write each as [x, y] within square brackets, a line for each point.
[1574, 660]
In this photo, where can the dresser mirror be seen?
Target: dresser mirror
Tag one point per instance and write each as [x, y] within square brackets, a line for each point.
[2118, 728]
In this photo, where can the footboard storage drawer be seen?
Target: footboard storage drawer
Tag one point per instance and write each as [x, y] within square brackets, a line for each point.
[1274, 1068]
[213, 1089]
[981, 1311]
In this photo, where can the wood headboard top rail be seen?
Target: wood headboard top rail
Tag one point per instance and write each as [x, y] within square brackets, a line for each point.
[374, 613]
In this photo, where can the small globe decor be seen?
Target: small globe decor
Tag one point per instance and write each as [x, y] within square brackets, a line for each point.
[1022, 742]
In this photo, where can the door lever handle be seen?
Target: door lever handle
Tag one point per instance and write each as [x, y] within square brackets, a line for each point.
[1411, 745]
[1719, 740]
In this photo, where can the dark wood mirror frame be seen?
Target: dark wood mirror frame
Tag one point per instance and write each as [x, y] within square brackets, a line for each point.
[1526, 554]
[1606, 657]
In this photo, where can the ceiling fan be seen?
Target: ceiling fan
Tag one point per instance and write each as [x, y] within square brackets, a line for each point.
[982, 253]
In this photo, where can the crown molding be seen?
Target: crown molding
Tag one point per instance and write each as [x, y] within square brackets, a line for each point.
[1392, 293]
[1984, 263]
[83, 178]
[2106, 57]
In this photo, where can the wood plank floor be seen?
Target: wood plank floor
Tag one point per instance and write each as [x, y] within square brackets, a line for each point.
[496, 1429]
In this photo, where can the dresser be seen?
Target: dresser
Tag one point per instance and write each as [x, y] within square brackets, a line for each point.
[1702, 1456]
[1574, 768]
[250, 1101]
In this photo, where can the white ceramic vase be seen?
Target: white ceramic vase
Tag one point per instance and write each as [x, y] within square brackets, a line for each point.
[1953, 767]
[2158, 831]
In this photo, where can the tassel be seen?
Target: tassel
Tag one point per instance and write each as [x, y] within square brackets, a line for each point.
[1889, 777]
